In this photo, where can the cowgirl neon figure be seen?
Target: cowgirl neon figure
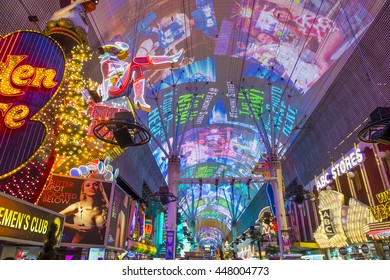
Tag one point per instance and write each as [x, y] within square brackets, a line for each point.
[118, 74]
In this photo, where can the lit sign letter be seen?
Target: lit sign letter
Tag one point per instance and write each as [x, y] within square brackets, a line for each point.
[23, 75]
[15, 116]
[327, 222]
[359, 155]
[44, 77]
[6, 88]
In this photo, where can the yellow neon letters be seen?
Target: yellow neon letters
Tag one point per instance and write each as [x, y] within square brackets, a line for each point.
[13, 116]
[12, 76]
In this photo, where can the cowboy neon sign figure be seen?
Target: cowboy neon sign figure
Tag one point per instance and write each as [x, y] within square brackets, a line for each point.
[118, 74]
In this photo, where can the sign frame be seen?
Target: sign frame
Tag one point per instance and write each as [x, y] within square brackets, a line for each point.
[36, 207]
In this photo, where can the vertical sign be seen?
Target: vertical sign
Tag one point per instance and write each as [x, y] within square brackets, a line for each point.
[329, 230]
[119, 218]
[170, 248]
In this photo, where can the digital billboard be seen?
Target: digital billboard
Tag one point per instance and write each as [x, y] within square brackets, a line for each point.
[85, 203]
[246, 83]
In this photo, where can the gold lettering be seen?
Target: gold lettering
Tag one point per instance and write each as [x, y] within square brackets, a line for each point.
[6, 88]
[12, 76]
[382, 210]
[376, 213]
[27, 222]
[1, 212]
[15, 116]
[4, 108]
[20, 219]
[44, 77]
[387, 209]
[14, 217]
[44, 224]
[48, 81]
[7, 217]
[381, 197]
[21, 76]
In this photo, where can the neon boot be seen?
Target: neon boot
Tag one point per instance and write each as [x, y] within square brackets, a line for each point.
[139, 90]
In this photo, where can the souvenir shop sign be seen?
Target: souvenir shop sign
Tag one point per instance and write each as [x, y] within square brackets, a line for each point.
[349, 161]
[31, 70]
[21, 221]
[329, 230]
[330, 233]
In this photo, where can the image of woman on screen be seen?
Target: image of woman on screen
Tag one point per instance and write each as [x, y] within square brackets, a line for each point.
[87, 218]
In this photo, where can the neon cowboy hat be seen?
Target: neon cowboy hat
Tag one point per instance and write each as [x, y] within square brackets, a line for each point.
[117, 42]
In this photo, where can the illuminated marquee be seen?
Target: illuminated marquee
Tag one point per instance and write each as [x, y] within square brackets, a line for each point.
[330, 232]
[341, 225]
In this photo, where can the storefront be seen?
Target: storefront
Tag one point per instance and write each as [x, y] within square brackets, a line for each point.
[341, 231]
[348, 203]
[379, 229]
[86, 200]
[139, 250]
[24, 227]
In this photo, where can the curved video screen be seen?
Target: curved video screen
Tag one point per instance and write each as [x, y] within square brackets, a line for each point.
[245, 79]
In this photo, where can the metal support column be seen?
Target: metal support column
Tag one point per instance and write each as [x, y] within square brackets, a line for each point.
[173, 176]
[277, 187]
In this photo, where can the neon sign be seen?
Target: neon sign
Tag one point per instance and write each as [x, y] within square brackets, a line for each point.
[13, 77]
[31, 69]
[382, 210]
[329, 231]
[348, 162]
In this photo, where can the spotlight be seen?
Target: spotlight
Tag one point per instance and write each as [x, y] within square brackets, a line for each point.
[33, 19]
[299, 198]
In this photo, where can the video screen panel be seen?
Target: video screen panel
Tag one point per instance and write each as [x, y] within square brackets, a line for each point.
[247, 79]
[85, 203]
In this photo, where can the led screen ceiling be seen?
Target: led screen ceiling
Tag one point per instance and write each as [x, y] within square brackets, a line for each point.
[247, 67]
